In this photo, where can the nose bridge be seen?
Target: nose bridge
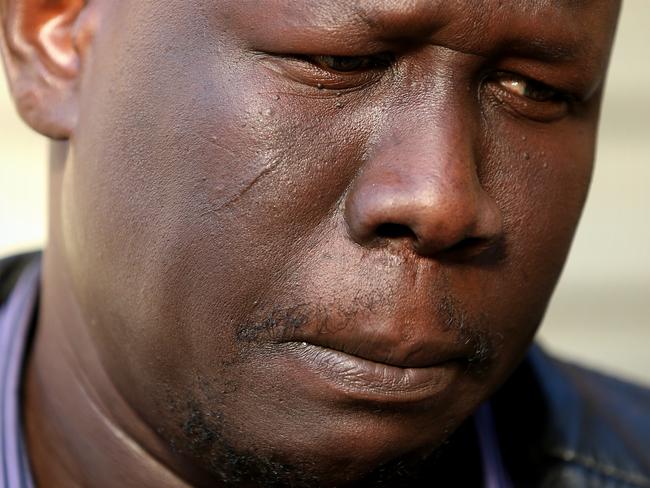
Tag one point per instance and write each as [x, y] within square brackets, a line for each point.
[439, 152]
[426, 166]
[421, 177]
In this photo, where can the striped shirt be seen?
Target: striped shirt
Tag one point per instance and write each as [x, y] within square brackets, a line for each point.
[16, 320]
[16, 317]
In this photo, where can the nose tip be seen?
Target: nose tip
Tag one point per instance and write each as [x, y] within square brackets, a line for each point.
[431, 217]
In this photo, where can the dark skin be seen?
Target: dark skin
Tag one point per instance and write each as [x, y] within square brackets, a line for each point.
[293, 242]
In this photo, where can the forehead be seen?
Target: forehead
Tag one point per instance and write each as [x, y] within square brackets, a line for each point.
[466, 25]
[394, 14]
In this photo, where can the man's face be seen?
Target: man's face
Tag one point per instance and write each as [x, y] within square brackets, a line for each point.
[312, 237]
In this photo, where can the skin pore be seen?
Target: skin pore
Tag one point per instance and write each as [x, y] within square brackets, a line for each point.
[294, 243]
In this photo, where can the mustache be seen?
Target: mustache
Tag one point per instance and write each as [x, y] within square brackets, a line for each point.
[283, 324]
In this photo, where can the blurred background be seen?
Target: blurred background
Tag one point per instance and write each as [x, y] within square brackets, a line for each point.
[600, 313]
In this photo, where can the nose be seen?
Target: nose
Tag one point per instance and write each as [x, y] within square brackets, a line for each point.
[421, 188]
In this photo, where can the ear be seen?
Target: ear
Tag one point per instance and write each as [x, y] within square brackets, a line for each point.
[44, 43]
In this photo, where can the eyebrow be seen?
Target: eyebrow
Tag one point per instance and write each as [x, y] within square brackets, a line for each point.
[547, 50]
[544, 50]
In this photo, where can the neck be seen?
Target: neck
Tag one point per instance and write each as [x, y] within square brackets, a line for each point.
[79, 429]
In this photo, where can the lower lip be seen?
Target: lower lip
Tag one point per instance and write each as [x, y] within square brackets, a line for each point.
[364, 380]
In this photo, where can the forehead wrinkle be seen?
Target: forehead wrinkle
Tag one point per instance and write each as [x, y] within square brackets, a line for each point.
[386, 14]
[388, 19]
[485, 28]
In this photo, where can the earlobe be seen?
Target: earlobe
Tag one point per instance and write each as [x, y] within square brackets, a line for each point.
[43, 58]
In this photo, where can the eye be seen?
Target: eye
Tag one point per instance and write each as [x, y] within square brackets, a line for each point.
[530, 98]
[529, 89]
[346, 64]
[327, 72]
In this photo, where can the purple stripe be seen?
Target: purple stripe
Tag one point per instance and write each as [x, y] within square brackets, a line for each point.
[9, 395]
[5, 335]
[494, 473]
[15, 321]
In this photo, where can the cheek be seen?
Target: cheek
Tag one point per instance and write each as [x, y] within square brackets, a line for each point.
[154, 195]
[175, 194]
[539, 175]
[541, 187]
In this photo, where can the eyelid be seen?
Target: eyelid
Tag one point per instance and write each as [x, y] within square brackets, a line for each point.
[303, 69]
[562, 93]
[553, 109]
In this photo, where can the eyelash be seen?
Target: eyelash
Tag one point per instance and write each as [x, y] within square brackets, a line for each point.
[377, 61]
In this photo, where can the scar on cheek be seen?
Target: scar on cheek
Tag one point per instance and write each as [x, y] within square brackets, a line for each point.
[244, 188]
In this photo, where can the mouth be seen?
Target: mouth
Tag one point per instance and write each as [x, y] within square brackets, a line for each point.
[360, 379]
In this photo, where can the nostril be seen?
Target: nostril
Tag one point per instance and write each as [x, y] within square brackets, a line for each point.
[394, 231]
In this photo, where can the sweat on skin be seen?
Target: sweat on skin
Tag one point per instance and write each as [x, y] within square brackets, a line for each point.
[293, 243]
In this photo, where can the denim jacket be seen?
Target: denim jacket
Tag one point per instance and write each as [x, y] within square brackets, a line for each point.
[558, 425]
